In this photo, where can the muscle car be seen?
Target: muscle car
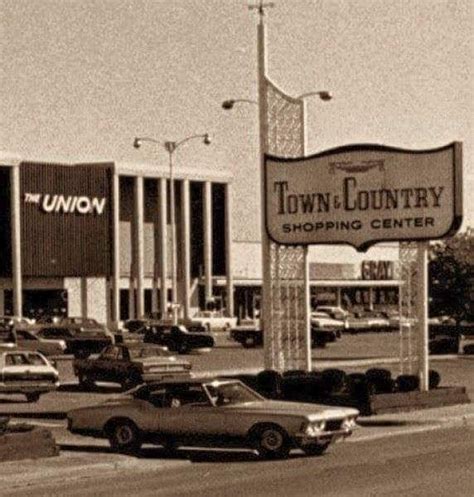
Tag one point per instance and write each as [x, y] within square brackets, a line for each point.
[212, 412]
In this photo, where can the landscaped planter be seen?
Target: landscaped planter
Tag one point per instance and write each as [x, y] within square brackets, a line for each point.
[26, 442]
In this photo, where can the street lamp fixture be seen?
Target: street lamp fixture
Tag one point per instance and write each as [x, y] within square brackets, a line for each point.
[325, 96]
[171, 147]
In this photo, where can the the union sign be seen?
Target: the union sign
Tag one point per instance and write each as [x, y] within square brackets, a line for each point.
[363, 194]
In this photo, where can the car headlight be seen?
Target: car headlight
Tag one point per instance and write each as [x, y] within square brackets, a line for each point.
[349, 424]
[315, 428]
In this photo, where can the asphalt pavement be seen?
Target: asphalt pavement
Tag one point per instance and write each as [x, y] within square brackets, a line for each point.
[430, 463]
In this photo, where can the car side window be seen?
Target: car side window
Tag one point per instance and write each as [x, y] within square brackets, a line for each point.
[36, 360]
[111, 353]
[23, 335]
[16, 360]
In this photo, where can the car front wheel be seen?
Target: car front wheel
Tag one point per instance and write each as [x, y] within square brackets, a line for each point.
[271, 442]
[124, 436]
[32, 396]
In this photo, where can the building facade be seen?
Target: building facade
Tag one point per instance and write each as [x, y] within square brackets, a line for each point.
[95, 240]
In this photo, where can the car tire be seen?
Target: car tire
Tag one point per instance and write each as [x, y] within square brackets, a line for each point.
[249, 342]
[32, 396]
[182, 348]
[317, 449]
[124, 436]
[271, 442]
[86, 383]
[132, 381]
[81, 354]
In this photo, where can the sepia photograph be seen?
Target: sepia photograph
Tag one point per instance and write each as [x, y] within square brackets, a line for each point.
[237, 248]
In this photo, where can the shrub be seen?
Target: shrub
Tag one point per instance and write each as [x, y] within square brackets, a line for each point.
[434, 379]
[408, 382]
[269, 383]
[381, 379]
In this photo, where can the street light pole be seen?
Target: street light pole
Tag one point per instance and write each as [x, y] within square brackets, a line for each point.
[171, 147]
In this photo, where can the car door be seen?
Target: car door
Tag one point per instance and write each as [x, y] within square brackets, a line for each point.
[106, 363]
[187, 412]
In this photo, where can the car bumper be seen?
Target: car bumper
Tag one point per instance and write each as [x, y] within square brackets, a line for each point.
[26, 387]
[329, 436]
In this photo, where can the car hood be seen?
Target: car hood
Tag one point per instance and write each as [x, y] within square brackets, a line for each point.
[316, 411]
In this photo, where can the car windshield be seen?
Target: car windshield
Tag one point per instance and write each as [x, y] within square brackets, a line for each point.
[142, 352]
[231, 393]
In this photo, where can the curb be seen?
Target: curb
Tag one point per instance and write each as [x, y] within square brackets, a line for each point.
[453, 422]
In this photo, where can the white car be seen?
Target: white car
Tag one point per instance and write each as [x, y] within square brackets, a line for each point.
[324, 321]
[333, 311]
[29, 373]
[211, 321]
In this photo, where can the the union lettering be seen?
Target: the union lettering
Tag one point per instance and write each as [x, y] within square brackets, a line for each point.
[72, 204]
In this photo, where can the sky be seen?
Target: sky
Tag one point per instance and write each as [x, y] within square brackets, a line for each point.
[81, 78]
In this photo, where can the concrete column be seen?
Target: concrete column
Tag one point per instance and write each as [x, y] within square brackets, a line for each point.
[338, 296]
[228, 251]
[163, 263]
[84, 309]
[115, 310]
[207, 240]
[16, 241]
[139, 251]
[2, 302]
[186, 247]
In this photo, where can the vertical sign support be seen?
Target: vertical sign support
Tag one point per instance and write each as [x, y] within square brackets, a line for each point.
[422, 314]
[284, 305]
[263, 144]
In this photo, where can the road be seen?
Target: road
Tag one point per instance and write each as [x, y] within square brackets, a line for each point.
[433, 463]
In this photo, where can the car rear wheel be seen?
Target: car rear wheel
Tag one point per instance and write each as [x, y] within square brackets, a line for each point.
[316, 449]
[271, 442]
[124, 436]
[86, 383]
[182, 348]
[32, 396]
[249, 342]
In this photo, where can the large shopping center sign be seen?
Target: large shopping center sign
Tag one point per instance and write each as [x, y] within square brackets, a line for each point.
[66, 219]
[363, 194]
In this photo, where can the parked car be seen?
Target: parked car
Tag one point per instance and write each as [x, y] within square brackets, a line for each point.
[7, 337]
[29, 340]
[80, 343]
[130, 365]
[210, 321]
[324, 321]
[250, 336]
[178, 339]
[333, 311]
[203, 411]
[28, 373]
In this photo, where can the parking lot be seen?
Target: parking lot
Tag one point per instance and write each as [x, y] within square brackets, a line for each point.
[352, 353]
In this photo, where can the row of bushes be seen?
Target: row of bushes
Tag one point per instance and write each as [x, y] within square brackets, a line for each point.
[315, 386]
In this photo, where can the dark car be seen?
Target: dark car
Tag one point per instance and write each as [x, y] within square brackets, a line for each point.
[130, 365]
[80, 343]
[178, 339]
[250, 336]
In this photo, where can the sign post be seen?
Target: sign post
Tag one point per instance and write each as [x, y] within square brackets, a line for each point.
[363, 194]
